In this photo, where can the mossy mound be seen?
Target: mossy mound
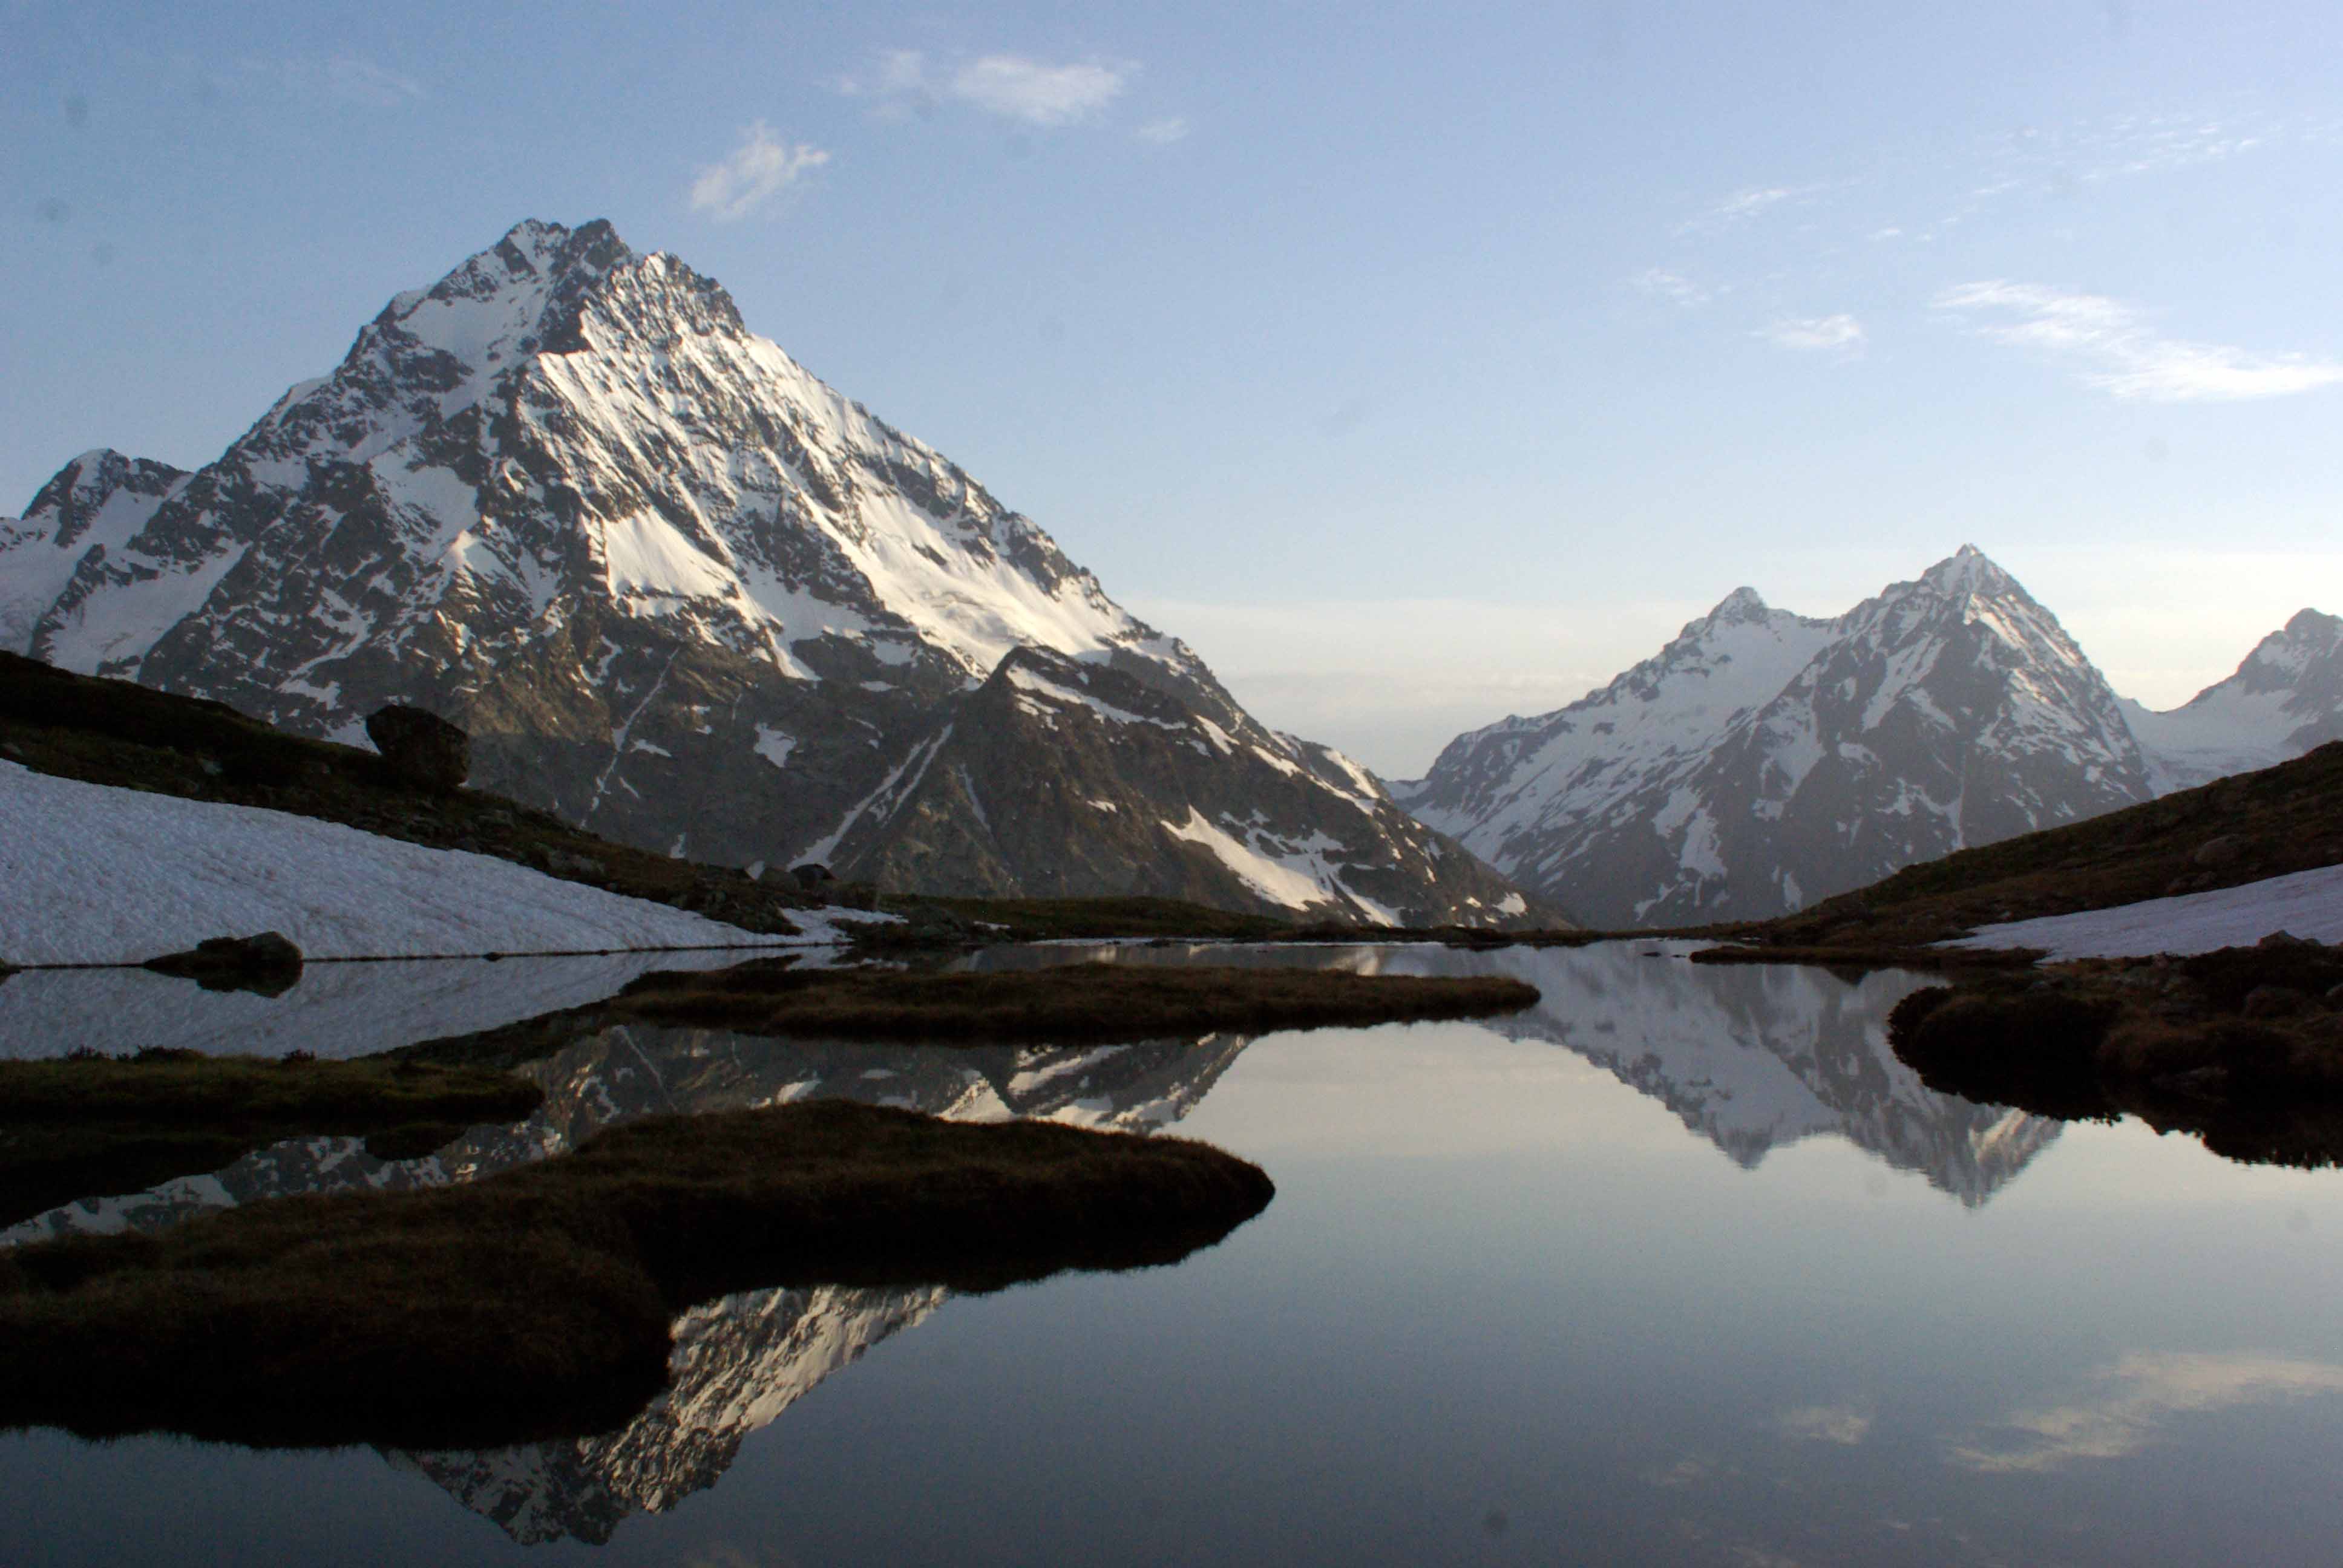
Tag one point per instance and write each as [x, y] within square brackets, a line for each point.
[536, 1304]
[94, 1126]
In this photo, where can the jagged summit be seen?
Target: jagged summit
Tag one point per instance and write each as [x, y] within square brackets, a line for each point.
[677, 588]
[1968, 570]
[1763, 760]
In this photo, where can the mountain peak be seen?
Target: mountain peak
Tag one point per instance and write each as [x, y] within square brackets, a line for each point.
[1743, 603]
[1968, 570]
[2314, 625]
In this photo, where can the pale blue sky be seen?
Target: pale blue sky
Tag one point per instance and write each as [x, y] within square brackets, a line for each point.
[1416, 366]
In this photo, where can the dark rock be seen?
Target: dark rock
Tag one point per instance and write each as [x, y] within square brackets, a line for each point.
[2219, 852]
[2275, 1001]
[812, 874]
[267, 964]
[2335, 995]
[2286, 940]
[577, 868]
[421, 747]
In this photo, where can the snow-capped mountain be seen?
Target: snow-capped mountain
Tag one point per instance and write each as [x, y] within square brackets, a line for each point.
[2284, 698]
[1762, 759]
[691, 598]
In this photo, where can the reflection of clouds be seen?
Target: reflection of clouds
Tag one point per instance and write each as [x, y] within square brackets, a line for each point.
[2131, 1398]
[1685, 1472]
[1826, 1423]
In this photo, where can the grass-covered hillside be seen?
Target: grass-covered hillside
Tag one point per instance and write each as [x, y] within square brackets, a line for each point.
[2237, 830]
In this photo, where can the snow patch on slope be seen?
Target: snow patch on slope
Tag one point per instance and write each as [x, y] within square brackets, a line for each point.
[100, 875]
[1272, 879]
[2306, 903]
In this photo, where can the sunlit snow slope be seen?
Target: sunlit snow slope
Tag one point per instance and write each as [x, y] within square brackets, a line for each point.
[100, 875]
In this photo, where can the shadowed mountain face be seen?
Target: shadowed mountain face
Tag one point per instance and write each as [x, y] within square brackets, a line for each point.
[1762, 761]
[690, 598]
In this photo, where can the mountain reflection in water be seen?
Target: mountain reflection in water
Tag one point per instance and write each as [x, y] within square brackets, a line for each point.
[1750, 1059]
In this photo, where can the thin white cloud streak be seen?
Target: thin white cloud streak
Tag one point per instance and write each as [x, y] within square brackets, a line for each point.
[2112, 349]
[1741, 206]
[758, 170]
[1673, 287]
[344, 77]
[1841, 334]
[1013, 86]
[1024, 89]
[1163, 131]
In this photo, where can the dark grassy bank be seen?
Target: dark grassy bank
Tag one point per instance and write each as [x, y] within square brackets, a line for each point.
[1854, 960]
[1096, 1003]
[2243, 1047]
[932, 921]
[1091, 1002]
[89, 1127]
[2237, 830]
[536, 1304]
[115, 733]
[941, 922]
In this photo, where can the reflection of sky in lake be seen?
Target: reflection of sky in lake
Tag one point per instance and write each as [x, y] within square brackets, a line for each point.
[1507, 1307]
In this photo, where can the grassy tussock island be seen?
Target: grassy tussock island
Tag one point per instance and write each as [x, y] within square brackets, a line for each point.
[1071, 1002]
[2243, 1047]
[536, 1304]
[91, 1126]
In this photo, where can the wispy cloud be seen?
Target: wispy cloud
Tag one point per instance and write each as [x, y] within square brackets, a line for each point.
[344, 78]
[1742, 206]
[759, 169]
[1842, 334]
[1673, 287]
[1163, 131]
[2112, 347]
[1041, 95]
[1013, 86]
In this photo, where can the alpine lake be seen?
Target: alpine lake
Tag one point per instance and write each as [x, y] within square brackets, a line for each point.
[1681, 1266]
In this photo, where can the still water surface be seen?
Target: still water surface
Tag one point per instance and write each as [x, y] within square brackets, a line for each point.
[1680, 1267]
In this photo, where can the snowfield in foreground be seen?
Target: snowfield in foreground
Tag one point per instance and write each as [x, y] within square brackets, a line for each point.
[2306, 904]
[98, 875]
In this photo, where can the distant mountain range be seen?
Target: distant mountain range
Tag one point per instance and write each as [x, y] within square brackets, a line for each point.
[1762, 761]
[690, 598]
